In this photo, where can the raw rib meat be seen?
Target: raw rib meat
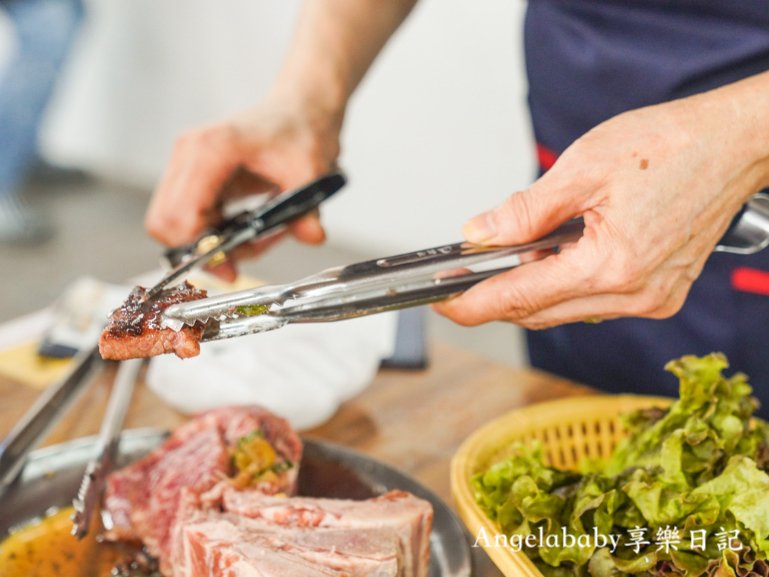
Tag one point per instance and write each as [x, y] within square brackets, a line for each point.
[248, 559]
[344, 551]
[184, 501]
[359, 552]
[134, 330]
[402, 515]
[144, 497]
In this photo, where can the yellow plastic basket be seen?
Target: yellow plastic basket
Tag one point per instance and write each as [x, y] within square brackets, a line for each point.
[569, 429]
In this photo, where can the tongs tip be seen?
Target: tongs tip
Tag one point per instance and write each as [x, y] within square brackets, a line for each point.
[81, 524]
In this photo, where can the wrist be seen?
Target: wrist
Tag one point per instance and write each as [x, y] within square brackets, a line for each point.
[317, 98]
[733, 122]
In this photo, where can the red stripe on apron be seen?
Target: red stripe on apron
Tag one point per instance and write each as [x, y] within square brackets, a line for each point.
[751, 280]
[546, 157]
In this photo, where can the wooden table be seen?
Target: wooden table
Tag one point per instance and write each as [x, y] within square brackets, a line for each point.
[414, 420]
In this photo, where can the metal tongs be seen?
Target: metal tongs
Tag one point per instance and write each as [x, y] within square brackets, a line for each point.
[355, 290]
[402, 281]
[213, 245]
[211, 248]
[98, 469]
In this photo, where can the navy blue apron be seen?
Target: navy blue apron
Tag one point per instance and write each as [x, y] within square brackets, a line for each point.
[589, 60]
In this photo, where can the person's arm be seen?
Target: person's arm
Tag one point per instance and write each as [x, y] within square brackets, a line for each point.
[657, 187]
[336, 41]
[289, 139]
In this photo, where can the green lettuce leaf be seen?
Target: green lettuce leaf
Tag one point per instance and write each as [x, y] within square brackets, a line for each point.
[698, 466]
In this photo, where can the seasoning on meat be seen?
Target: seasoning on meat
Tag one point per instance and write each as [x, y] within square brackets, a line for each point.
[215, 501]
[143, 498]
[135, 329]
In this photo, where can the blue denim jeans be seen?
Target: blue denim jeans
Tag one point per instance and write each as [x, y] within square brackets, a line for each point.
[45, 30]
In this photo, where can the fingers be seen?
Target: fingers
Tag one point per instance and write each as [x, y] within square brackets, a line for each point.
[308, 229]
[524, 216]
[517, 294]
[228, 271]
[255, 248]
[651, 303]
[243, 183]
[498, 299]
[187, 198]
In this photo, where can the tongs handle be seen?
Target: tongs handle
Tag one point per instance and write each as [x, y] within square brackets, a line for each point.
[283, 209]
[361, 288]
[749, 231]
[416, 293]
[275, 212]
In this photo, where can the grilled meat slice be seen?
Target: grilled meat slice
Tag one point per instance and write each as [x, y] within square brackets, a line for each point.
[135, 329]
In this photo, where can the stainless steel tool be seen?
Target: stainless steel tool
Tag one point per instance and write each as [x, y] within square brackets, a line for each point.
[45, 414]
[400, 281]
[359, 289]
[749, 232]
[210, 248]
[213, 245]
[92, 486]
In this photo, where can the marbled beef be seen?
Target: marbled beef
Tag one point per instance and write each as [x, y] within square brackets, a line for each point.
[367, 552]
[396, 516]
[143, 498]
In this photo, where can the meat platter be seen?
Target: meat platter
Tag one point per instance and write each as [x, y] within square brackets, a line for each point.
[52, 475]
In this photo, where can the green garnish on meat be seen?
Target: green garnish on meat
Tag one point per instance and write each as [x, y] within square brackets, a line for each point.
[251, 310]
[253, 459]
[250, 437]
[686, 494]
[282, 466]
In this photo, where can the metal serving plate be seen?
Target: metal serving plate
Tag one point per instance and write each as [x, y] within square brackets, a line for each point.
[52, 476]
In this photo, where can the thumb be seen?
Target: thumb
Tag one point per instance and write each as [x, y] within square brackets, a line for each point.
[522, 217]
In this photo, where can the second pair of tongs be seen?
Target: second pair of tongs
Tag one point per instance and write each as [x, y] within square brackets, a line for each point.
[401, 281]
[213, 246]
[107, 443]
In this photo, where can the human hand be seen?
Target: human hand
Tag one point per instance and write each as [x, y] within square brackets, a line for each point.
[657, 188]
[275, 147]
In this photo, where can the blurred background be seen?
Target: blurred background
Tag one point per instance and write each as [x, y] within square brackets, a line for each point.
[437, 132]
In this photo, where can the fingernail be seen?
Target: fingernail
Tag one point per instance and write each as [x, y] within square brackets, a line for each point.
[481, 228]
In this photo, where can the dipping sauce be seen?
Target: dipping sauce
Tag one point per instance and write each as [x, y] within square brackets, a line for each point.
[47, 549]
